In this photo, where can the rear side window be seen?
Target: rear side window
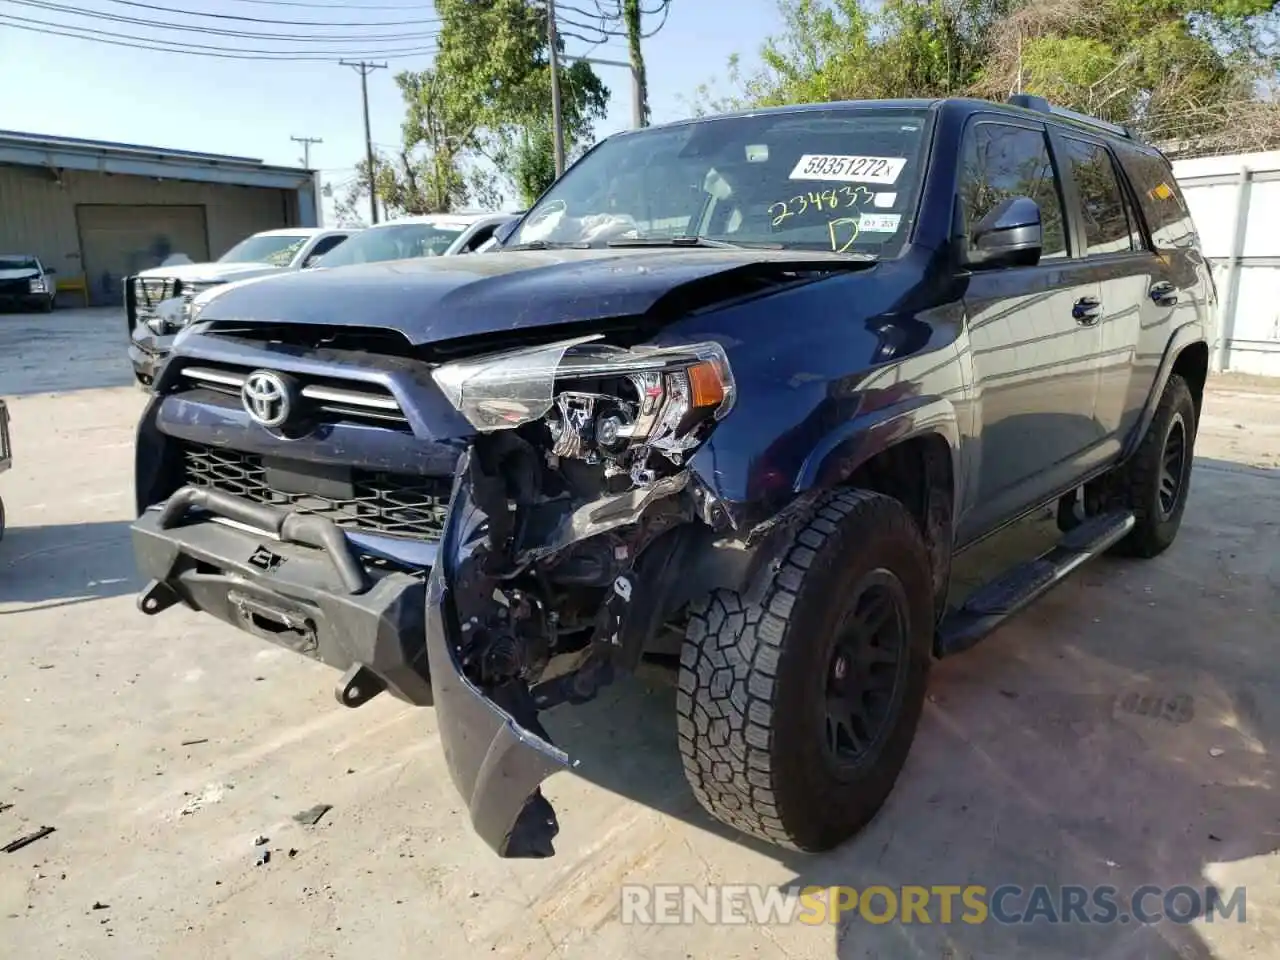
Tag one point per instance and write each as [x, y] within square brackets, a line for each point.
[1001, 161]
[1163, 206]
[1106, 222]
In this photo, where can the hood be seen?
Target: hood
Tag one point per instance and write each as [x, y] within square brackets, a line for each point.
[443, 298]
[210, 272]
[19, 273]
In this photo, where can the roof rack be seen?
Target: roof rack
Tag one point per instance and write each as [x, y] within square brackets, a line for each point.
[1031, 102]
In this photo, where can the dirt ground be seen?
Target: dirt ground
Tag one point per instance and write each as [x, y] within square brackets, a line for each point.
[161, 749]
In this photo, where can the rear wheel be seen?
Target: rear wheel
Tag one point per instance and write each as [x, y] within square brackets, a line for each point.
[796, 714]
[1155, 482]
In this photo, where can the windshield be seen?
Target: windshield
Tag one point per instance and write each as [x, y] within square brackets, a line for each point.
[401, 241]
[275, 249]
[18, 263]
[842, 179]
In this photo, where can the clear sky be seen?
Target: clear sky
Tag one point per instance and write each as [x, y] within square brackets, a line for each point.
[75, 87]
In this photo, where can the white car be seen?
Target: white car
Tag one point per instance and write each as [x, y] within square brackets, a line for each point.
[427, 235]
[157, 300]
[26, 282]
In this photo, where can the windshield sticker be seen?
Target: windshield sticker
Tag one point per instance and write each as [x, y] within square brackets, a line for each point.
[835, 198]
[757, 152]
[844, 232]
[824, 166]
[879, 222]
[885, 201]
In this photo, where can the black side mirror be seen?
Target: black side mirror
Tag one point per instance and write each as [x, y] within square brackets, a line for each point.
[50, 270]
[1009, 235]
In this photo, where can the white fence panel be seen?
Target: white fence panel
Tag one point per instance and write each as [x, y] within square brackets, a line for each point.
[1235, 203]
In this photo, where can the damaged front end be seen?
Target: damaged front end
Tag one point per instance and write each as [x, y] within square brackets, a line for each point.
[563, 554]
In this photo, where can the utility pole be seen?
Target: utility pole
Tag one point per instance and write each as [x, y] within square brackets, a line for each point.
[306, 148]
[632, 14]
[557, 119]
[364, 69]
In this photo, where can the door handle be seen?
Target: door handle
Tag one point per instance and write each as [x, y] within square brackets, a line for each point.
[1164, 293]
[1087, 311]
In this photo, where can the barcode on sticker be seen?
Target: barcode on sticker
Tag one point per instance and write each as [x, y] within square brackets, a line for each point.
[879, 222]
[824, 166]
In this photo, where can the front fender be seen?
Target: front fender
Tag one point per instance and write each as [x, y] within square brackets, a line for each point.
[496, 761]
[838, 455]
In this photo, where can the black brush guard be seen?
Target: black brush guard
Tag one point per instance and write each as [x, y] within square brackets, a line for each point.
[295, 580]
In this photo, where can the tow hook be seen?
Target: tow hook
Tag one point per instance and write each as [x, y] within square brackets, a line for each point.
[358, 686]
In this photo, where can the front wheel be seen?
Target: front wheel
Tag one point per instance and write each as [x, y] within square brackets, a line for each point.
[796, 714]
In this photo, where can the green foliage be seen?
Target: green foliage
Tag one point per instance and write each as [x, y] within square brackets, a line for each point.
[494, 57]
[1184, 67]
[480, 115]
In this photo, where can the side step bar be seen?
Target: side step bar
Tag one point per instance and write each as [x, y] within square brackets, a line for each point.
[998, 600]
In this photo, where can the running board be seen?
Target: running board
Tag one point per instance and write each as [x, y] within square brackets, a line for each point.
[996, 601]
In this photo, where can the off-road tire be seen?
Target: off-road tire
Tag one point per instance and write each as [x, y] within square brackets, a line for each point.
[750, 674]
[1138, 481]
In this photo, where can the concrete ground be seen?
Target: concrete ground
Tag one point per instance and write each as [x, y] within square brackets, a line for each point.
[160, 749]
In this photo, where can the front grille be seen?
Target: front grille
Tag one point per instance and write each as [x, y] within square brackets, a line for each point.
[149, 293]
[382, 503]
[15, 288]
[322, 399]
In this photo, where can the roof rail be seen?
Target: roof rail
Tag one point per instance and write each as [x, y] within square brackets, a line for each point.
[1031, 102]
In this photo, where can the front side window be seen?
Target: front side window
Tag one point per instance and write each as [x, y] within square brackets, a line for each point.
[275, 249]
[1106, 224]
[401, 241]
[1002, 161]
[842, 179]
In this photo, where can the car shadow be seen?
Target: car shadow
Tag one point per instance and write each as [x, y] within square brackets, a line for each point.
[1120, 732]
[65, 564]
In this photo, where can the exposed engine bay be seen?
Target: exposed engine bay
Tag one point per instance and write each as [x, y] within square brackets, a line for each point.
[579, 491]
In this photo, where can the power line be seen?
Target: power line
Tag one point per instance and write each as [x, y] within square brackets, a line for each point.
[212, 31]
[203, 50]
[410, 8]
[284, 23]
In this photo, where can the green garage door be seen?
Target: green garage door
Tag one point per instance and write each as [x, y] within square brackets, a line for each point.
[117, 240]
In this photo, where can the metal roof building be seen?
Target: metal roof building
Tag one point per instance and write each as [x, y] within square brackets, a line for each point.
[98, 211]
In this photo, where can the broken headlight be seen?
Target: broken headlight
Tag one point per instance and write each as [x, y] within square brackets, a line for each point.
[599, 402]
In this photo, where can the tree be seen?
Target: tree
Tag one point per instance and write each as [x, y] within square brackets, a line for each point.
[1197, 70]
[494, 58]
[478, 119]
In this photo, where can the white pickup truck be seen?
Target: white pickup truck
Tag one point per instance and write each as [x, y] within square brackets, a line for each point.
[156, 300]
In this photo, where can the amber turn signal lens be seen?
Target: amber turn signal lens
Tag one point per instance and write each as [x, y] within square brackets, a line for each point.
[705, 386]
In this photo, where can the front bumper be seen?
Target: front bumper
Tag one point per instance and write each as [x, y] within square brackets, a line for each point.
[297, 581]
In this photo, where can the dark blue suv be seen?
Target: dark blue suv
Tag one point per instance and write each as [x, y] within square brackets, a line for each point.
[731, 397]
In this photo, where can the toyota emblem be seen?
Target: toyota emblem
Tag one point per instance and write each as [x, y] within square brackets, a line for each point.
[266, 398]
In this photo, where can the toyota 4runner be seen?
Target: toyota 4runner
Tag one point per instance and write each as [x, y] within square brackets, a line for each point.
[735, 392]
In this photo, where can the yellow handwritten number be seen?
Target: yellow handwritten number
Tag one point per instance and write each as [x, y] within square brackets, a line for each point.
[779, 212]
